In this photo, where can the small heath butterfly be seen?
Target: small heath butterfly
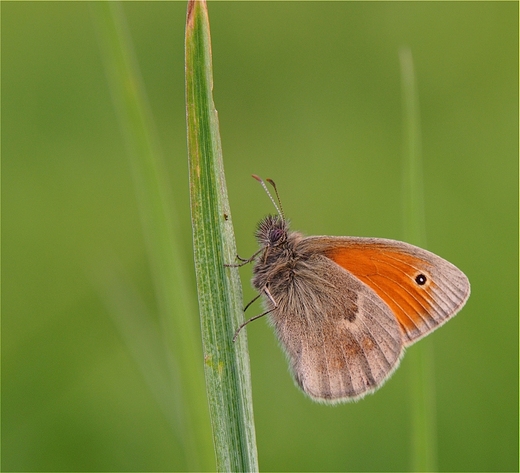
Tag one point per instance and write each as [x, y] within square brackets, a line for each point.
[345, 308]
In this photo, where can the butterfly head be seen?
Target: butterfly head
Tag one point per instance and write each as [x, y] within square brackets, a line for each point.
[272, 231]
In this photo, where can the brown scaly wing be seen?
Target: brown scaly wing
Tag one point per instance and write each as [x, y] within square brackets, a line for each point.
[341, 339]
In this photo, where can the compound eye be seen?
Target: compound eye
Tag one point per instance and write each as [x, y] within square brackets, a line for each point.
[275, 235]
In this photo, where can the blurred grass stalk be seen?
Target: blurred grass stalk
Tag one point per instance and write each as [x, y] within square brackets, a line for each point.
[424, 435]
[228, 382]
[176, 307]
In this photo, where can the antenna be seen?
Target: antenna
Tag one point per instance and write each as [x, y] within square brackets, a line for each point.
[270, 181]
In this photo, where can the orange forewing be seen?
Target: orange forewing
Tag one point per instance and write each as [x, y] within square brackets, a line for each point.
[391, 274]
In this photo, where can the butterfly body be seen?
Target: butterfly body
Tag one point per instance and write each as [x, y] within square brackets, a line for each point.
[344, 308]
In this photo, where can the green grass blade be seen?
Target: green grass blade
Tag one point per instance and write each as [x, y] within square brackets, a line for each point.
[174, 299]
[424, 442]
[228, 382]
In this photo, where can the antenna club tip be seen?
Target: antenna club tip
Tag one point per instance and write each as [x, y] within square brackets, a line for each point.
[254, 176]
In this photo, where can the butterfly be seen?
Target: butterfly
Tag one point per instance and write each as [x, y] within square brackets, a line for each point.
[345, 308]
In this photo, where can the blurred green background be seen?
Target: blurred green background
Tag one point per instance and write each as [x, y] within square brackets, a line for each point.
[308, 94]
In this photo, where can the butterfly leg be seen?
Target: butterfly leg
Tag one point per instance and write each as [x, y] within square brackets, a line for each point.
[268, 294]
[242, 325]
[270, 297]
[250, 302]
[243, 261]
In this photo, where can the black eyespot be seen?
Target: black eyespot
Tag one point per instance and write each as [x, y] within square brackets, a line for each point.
[420, 279]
